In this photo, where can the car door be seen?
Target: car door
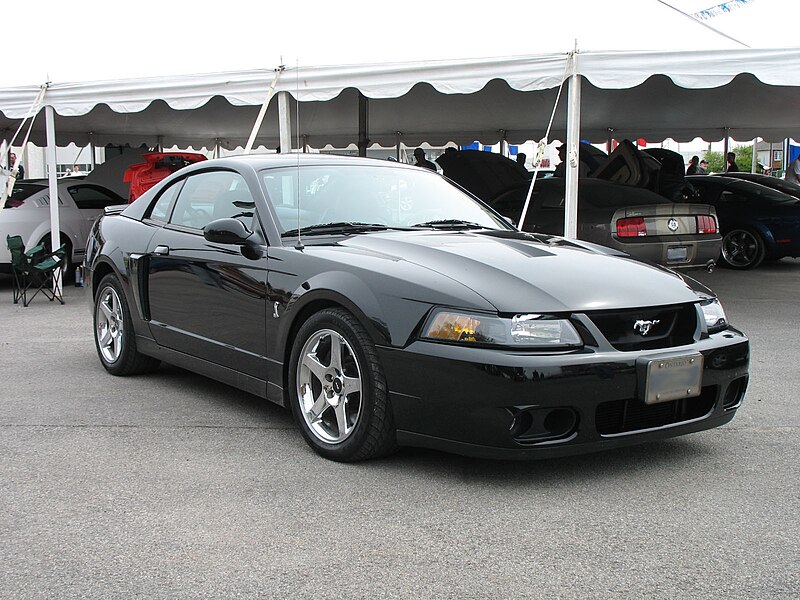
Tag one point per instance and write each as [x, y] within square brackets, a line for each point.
[206, 299]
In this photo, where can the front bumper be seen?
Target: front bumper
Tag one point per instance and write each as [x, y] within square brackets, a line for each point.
[504, 404]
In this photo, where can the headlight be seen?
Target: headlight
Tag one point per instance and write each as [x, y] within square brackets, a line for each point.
[523, 330]
[714, 315]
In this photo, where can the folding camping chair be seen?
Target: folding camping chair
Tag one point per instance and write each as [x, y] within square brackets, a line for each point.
[34, 270]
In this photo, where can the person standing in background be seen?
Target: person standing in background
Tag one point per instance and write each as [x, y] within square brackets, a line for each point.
[419, 155]
[730, 163]
[793, 171]
[12, 160]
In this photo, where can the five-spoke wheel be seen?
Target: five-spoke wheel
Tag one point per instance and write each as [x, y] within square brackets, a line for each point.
[337, 389]
[109, 324]
[742, 249]
[113, 331]
[329, 386]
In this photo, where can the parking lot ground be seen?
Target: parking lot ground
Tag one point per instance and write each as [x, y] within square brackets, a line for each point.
[173, 485]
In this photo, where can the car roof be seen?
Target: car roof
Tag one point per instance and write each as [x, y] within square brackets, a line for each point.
[744, 186]
[262, 161]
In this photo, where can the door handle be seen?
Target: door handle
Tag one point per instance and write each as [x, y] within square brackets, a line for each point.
[161, 250]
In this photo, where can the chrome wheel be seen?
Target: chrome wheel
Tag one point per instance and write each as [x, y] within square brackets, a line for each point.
[742, 249]
[109, 328]
[329, 386]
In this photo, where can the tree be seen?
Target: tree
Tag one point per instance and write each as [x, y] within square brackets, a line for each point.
[744, 158]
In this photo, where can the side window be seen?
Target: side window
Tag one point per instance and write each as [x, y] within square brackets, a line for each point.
[91, 197]
[160, 209]
[209, 196]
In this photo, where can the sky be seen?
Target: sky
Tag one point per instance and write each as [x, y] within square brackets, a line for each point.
[104, 39]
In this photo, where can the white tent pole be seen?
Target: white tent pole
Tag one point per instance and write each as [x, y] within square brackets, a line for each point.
[260, 118]
[284, 122]
[754, 161]
[92, 153]
[573, 151]
[55, 225]
[397, 135]
[725, 149]
[786, 148]
[543, 145]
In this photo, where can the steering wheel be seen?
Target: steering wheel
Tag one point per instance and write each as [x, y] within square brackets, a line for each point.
[199, 217]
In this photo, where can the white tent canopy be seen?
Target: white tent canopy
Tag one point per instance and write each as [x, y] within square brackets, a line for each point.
[742, 93]
[655, 95]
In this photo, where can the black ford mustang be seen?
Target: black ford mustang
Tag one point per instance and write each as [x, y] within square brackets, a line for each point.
[385, 306]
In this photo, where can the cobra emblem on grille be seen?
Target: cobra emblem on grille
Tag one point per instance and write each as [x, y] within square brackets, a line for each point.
[643, 327]
[672, 224]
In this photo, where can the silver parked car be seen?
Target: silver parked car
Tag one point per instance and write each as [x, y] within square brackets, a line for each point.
[27, 213]
[634, 220]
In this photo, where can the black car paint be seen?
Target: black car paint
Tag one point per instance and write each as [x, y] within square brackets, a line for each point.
[234, 319]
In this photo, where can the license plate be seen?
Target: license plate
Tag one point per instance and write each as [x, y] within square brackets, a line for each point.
[677, 253]
[673, 378]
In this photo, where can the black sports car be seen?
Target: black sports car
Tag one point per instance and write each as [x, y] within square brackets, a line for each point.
[385, 306]
[757, 222]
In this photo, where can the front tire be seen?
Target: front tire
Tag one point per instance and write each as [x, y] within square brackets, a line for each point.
[113, 331]
[742, 249]
[337, 389]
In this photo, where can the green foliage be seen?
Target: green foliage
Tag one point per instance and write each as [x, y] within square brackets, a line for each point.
[744, 159]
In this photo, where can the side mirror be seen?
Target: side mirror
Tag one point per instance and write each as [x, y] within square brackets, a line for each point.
[227, 231]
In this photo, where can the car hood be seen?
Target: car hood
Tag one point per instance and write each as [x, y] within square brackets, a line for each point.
[520, 272]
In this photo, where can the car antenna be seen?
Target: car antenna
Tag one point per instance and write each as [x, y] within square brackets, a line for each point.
[299, 244]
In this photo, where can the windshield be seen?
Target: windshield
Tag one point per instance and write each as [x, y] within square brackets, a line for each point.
[370, 194]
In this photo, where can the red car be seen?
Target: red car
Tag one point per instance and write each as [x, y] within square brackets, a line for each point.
[159, 165]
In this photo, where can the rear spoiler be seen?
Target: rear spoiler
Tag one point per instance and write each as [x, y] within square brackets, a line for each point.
[114, 210]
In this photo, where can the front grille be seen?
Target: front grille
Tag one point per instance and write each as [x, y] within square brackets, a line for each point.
[668, 326]
[621, 416]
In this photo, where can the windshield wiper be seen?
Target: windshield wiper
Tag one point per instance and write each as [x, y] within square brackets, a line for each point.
[337, 227]
[450, 224]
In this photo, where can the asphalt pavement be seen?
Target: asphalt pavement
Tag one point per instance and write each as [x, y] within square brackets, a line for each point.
[173, 485]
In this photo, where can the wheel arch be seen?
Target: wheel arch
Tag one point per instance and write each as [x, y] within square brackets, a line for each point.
[101, 269]
[313, 302]
[44, 237]
[756, 227]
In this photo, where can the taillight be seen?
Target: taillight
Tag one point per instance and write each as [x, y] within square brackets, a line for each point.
[631, 227]
[706, 224]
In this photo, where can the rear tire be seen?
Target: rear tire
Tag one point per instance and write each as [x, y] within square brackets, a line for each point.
[742, 249]
[337, 389]
[114, 338]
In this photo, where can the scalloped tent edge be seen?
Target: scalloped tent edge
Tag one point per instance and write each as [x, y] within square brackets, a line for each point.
[682, 95]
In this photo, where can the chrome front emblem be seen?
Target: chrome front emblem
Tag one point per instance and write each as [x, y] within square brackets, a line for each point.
[643, 327]
[672, 224]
